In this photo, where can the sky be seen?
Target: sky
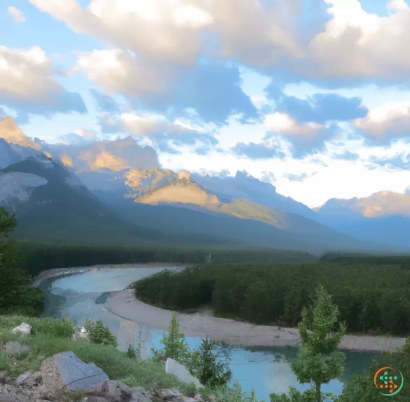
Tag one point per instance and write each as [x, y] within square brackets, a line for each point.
[311, 96]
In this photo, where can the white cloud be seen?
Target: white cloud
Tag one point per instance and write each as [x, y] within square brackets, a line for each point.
[353, 44]
[17, 14]
[282, 123]
[387, 121]
[359, 44]
[118, 71]
[142, 36]
[26, 76]
[87, 133]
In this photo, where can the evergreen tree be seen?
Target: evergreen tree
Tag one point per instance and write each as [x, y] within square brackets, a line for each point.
[209, 365]
[317, 361]
[16, 293]
[175, 346]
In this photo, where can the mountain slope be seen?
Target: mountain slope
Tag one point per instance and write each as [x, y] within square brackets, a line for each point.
[382, 217]
[53, 205]
[10, 132]
[252, 189]
[252, 223]
[7, 155]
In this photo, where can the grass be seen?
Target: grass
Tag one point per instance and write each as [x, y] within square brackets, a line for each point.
[52, 337]
[45, 326]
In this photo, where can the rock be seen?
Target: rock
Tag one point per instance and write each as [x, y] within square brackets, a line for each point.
[3, 377]
[140, 394]
[14, 348]
[84, 333]
[67, 371]
[198, 397]
[10, 393]
[81, 334]
[94, 399]
[23, 377]
[33, 380]
[24, 329]
[180, 371]
[171, 395]
[116, 391]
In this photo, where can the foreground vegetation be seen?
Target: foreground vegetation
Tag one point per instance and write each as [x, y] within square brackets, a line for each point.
[53, 336]
[16, 293]
[371, 299]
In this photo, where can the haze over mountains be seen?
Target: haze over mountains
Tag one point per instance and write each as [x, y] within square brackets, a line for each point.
[115, 192]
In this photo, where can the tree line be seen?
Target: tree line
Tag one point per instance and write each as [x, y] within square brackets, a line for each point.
[35, 258]
[371, 299]
[357, 259]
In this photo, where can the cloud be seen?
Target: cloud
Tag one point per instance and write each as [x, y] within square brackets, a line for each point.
[103, 156]
[158, 129]
[295, 177]
[105, 103]
[79, 137]
[268, 177]
[257, 151]
[387, 122]
[153, 49]
[212, 90]
[305, 138]
[117, 70]
[28, 86]
[292, 41]
[222, 174]
[175, 27]
[357, 44]
[347, 155]
[321, 108]
[17, 14]
[401, 161]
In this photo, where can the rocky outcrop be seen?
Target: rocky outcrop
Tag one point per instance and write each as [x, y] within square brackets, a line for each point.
[65, 371]
[65, 378]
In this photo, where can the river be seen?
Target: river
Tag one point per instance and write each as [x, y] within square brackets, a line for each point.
[81, 295]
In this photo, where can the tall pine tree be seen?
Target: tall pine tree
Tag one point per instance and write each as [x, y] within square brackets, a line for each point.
[317, 361]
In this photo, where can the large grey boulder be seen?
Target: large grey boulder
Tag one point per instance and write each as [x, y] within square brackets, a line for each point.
[67, 371]
[180, 371]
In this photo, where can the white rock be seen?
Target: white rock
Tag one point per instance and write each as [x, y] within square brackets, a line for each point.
[180, 371]
[83, 333]
[23, 328]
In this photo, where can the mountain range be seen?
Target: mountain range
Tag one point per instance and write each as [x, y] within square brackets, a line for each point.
[115, 192]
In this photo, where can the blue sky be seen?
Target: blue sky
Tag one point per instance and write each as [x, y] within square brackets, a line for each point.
[310, 95]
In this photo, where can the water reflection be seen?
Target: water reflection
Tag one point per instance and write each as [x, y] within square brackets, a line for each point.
[264, 369]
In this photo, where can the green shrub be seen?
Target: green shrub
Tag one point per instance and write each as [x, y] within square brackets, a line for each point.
[100, 334]
[3, 362]
[131, 353]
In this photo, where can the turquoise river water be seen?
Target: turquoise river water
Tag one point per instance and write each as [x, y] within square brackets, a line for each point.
[81, 295]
